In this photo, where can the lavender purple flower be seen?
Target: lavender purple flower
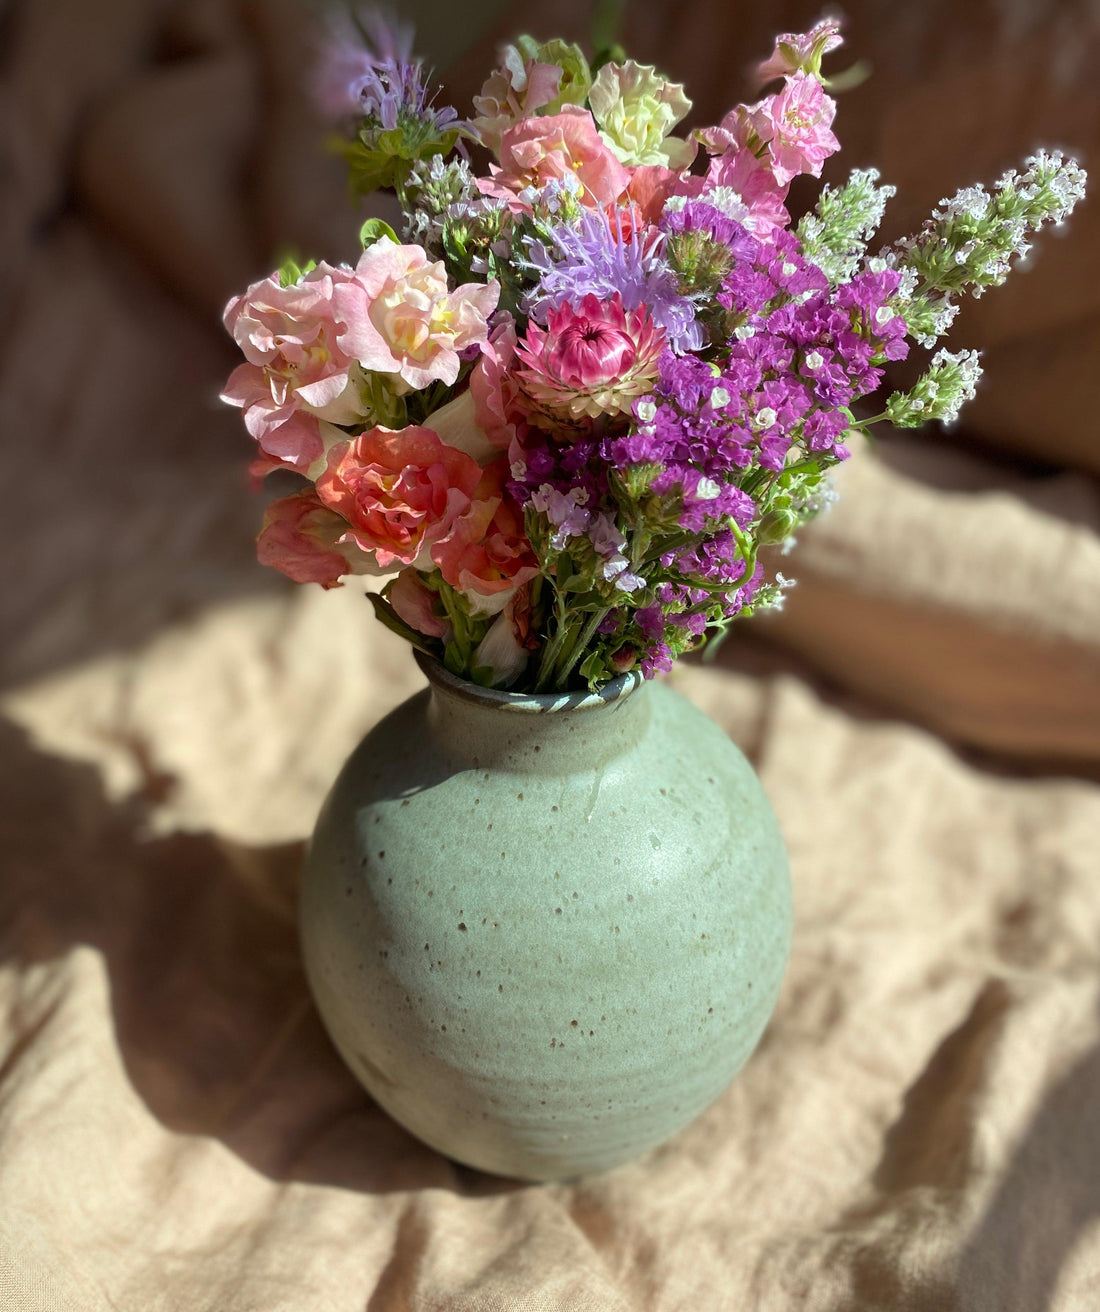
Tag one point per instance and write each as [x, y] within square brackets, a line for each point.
[605, 257]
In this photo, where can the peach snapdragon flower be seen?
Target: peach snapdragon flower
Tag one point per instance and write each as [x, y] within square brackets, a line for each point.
[308, 542]
[402, 318]
[551, 148]
[400, 491]
[486, 555]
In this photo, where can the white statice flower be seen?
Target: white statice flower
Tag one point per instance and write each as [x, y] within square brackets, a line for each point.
[727, 202]
[564, 510]
[835, 233]
[617, 570]
[940, 393]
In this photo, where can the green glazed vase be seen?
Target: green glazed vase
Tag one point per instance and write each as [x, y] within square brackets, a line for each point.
[545, 932]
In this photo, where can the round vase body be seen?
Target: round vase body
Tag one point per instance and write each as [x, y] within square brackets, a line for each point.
[545, 932]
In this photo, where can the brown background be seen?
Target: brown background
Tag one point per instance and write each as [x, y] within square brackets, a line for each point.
[919, 1129]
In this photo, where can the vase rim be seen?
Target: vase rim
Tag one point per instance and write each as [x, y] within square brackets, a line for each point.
[537, 703]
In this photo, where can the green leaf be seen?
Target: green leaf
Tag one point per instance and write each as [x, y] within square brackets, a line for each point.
[592, 667]
[370, 232]
[385, 612]
[290, 271]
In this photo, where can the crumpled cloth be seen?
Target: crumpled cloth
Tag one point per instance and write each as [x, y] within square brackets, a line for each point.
[919, 1129]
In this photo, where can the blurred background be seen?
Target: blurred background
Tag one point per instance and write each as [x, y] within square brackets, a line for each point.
[158, 155]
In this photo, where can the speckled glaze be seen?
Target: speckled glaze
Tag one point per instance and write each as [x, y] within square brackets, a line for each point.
[545, 932]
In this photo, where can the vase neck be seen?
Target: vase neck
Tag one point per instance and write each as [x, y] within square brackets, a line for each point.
[536, 739]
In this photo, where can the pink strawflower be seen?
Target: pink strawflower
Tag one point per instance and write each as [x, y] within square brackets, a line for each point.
[799, 117]
[307, 541]
[298, 363]
[487, 555]
[403, 320]
[400, 491]
[591, 359]
[800, 52]
[538, 151]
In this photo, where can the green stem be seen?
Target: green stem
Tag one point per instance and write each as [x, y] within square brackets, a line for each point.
[553, 645]
[577, 650]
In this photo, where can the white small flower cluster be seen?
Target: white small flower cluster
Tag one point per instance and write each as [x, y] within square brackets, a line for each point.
[835, 233]
[1048, 171]
[939, 393]
[972, 238]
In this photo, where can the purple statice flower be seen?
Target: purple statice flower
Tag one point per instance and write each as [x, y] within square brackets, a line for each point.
[870, 293]
[565, 511]
[694, 621]
[791, 273]
[608, 544]
[367, 70]
[821, 430]
[650, 621]
[705, 500]
[656, 660]
[698, 216]
[596, 256]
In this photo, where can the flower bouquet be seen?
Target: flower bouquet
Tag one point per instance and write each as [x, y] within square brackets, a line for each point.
[546, 910]
[599, 369]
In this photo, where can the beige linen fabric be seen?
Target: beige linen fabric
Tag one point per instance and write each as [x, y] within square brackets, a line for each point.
[919, 1129]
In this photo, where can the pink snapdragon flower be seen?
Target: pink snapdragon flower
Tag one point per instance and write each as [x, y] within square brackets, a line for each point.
[415, 603]
[800, 52]
[494, 388]
[403, 320]
[486, 556]
[590, 360]
[298, 363]
[800, 137]
[399, 490]
[308, 542]
[740, 172]
[541, 150]
[512, 93]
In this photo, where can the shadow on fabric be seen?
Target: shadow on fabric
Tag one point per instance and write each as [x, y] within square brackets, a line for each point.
[208, 1002]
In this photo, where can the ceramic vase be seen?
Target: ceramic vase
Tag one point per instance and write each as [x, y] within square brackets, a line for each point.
[545, 931]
